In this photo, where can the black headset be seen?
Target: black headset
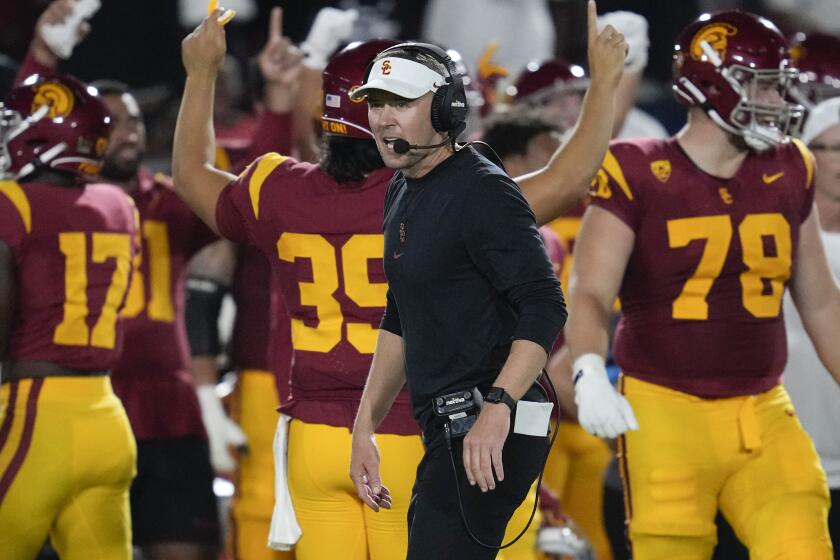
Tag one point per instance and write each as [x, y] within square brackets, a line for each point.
[449, 104]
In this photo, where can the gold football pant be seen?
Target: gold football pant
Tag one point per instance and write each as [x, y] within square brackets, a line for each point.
[334, 521]
[255, 409]
[525, 547]
[575, 471]
[67, 458]
[748, 456]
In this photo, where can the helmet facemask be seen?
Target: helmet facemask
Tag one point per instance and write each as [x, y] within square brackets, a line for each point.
[12, 125]
[760, 123]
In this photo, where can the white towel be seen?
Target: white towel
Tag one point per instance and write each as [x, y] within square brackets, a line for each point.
[62, 37]
[285, 531]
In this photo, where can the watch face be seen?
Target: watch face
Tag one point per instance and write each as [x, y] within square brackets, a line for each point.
[494, 395]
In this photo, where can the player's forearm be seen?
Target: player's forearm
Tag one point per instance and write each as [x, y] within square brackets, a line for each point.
[589, 332]
[309, 103]
[205, 370]
[555, 189]
[196, 181]
[385, 380]
[523, 366]
[559, 370]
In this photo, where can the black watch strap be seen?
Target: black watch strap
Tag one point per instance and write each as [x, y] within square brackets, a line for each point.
[499, 395]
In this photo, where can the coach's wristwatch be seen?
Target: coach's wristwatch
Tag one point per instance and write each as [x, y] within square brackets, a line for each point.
[498, 395]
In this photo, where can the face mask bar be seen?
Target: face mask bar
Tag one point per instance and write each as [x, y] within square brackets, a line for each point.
[11, 126]
[760, 124]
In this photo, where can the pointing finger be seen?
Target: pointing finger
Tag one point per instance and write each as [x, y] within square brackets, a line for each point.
[276, 24]
[591, 21]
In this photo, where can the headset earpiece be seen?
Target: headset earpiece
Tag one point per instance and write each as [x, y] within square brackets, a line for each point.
[449, 104]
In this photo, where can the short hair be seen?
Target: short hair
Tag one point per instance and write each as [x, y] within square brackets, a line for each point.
[348, 159]
[110, 87]
[511, 133]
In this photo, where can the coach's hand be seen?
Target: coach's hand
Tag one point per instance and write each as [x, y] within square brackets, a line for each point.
[483, 446]
[364, 471]
[607, 50]
[601, 410]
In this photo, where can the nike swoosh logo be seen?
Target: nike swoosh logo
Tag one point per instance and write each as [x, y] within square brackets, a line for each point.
[770, 178]
[398, 255]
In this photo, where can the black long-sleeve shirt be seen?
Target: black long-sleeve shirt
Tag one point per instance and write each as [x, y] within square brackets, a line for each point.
[468, 274]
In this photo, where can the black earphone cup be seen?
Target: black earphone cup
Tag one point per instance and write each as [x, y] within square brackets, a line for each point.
[439, 112]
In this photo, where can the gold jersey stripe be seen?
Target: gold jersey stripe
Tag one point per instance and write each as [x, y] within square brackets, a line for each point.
[808, 157]
[264, 168]
[614, 169]
[15, 193]
[222, 160]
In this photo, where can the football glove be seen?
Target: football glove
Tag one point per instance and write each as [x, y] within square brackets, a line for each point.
[331, 28]
[601, 410]
[222, 432]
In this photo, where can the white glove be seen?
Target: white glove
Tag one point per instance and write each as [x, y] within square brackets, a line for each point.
[635, 30]
[62, 37]
[330, 28]
[601, 410]
[222, 432]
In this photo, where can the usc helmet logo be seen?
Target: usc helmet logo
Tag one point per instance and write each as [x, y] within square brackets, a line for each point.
[350, 93]
[386, 67]
[57, 96]
[716, 34]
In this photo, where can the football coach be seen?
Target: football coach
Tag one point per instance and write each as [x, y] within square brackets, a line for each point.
[473, 309]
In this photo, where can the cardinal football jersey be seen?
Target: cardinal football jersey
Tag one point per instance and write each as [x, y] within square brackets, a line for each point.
[153, 377]
[73, 249]
[324, 242]
[702, 291]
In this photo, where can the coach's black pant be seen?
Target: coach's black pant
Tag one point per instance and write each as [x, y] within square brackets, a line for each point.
[435, 528]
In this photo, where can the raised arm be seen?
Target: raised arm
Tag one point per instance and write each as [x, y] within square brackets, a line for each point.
[561, 184]
[817, 296]
[197, 182]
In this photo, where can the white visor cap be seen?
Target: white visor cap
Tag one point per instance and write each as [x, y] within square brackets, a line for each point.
[824, 116]
[399, 76]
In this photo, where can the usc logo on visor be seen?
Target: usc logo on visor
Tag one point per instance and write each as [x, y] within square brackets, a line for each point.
[386, 67]
[716, 34]
[59, 98]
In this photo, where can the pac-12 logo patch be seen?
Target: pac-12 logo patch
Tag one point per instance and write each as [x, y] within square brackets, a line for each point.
[661, 169]
[58, 96]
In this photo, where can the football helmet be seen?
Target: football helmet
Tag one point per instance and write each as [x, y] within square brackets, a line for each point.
[736, 66]
[53, 121]
[344, 73]
[554, 87]
[540, 81]
[816, 58]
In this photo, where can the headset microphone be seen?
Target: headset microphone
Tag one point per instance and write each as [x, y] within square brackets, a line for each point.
[402, 146]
